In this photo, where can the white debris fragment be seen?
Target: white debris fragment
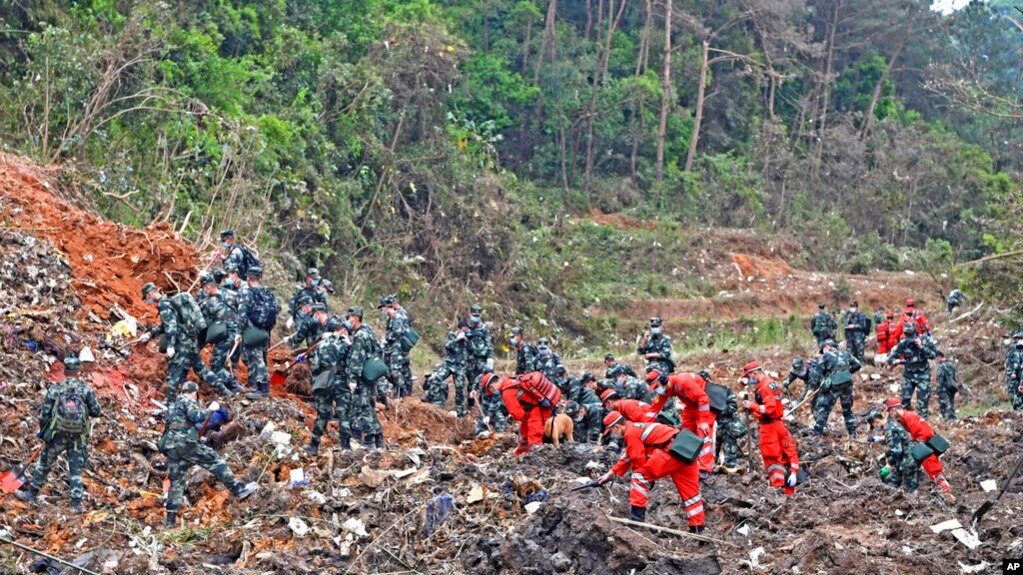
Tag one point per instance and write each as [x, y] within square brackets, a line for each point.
[755, 555]
[989, 485]
[532, 507]
[744, 530]
[298, 527]
[946, 525]
[966, 538]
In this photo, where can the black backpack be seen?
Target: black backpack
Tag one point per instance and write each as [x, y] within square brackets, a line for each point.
[263, 311]
[249, 261]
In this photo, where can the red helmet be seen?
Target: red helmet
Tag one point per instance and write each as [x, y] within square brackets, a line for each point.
[652, 375]
[894, 402]
[751, 366]
[608, 395]
[612, 419]
[910, 303]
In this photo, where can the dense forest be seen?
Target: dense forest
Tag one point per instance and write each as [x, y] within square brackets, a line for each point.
[420, 145]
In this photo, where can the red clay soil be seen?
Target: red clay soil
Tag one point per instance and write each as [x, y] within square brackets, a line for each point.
[110, 262]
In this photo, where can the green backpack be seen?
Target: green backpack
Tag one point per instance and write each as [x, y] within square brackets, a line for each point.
[190, 316]
[840, 376]
[70, 414]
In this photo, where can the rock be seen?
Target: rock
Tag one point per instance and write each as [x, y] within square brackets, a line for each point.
[560, 562]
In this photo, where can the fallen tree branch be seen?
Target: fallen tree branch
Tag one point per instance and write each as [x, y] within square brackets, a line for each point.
[992, 257]
[695, 536]
[967, 314]
[46, 555]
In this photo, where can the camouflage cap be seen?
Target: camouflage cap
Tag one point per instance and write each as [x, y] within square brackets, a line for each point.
[218, 274]
[462, 324]
[72, 364]
[874, 414]
[354, 310]
[318, 306]
[206, 278]
[571, 408]
[312, 273]
[488, 368]
[189, 387]
[304, 300]
[587, 377]
[226, 234]
[516, 330]
[559, 369]
[254, 272]
[609, 356]
[798, 363]
[475, 308]
[656, 321]
[385, 301]
[150, 286]
[909, 327]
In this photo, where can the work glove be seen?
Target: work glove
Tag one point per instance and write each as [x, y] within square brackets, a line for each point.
[545, 403]
[486, 420]
[290, 323]
[301, 358]
[744, 396]
[703, 428]
[490, 362]
[170, 352]
[875, 439]
[793, 478]
[461, 335]
[352, 386]
[214, 406]
[237, 338]
[145, 337]
[885, 471]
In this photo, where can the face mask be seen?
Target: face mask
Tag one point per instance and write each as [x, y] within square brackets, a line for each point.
[661, 391]
[151, 301]
[225, 245]
[514, 341]
[655, 330]
[348, 325]
[544, 351]
[578, 419]
[475, 319]
[229, 282]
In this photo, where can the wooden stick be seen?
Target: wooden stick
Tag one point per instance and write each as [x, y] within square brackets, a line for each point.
[46, 555]
[695, 536]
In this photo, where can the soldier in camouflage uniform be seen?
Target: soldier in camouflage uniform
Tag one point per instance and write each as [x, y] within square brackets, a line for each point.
[1014, 372]
[229, 288]
[364, 407]
[564, 382]
[182, 344]
[857, 327]
[610, 364]
[730, 428]
[487, 392]
[254, 299]
[947, 386]
[632, 388]
[331, 389]
[955, 299]
[901, 469]
[398, 322]
[914, 353]
[655, 348]
[837, 367]
[879, 316]
[307, 329]
[216, 309]
[456, 360]
[311, 289]
[587, 421]
[822, 325]
[525, 353]
[481, 344]
[798, 371]
[180, 443]
[546, 359]
[64, 424]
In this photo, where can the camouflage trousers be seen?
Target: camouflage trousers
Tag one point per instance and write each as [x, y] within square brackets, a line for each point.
[857, 342]
[364, 420]
[493, 407]
[255, 361]
[822, 410]
[920, 380]
[400, 374]
[181, 459]
[186, 360]
[218, 362]
[77, 453]
[438, 392]
[905, 473]
[947, 402]
[730, 430]
[333, 402]
[1015, 395]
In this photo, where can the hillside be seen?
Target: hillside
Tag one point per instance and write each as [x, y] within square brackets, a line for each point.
[363, 512]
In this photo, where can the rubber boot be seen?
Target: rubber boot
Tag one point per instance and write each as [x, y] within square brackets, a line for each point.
[243, 491]
[27, 495]
[380, 441]
[697, 529]
[346, 443]
[258, 394]
[172, 519]
[637, 514]
[76, 506]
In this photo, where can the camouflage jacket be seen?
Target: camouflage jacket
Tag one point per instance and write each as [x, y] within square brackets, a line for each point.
[457, 356]
[860, 323]
[659, 344]
[833, 361]
[314, 293]
[53, 394]
[545, 364]
[308, 330]
[634, 389]
[332, 353]
[898, 440]
[946, 376]
[915, 352]
[180, 423]
[216, 309]
[584, 396]
[525, 359]
[823, 325]
[231, 298]
[619, 365]
[1014, 363]
[247, 301]
[481, 344]
[397, 325]
[169, 323]
[364, 346]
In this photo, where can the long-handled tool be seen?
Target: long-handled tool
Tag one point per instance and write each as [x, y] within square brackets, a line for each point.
[589, 485]
[15, 477]
[279, 376]
[801, 402]
[230, 366]
[47, 556]
[979, 513]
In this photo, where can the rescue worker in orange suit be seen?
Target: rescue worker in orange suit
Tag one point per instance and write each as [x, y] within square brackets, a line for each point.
[525, 408]
[646, 453]
[913, 315]
[631, 409]
[920, 430]
[690, 389]
[776, 445]
[885, 335]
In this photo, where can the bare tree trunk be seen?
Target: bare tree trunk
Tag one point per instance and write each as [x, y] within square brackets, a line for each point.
[589, 19]
[598, 74]
[526, 41]
[826, 87]
[548, 37]
[638, 109]
[874, 97]
[662, 128]
[700, 91]
[486, 26]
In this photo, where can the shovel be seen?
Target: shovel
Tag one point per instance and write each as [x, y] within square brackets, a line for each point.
[979, 513]
[589, 485]
[279, 376]
[15, 477]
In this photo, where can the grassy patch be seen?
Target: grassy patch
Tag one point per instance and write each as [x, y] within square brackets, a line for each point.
[186, 535]
[747, 334]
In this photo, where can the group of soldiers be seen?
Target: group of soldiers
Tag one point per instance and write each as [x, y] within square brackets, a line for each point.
[352, 370]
